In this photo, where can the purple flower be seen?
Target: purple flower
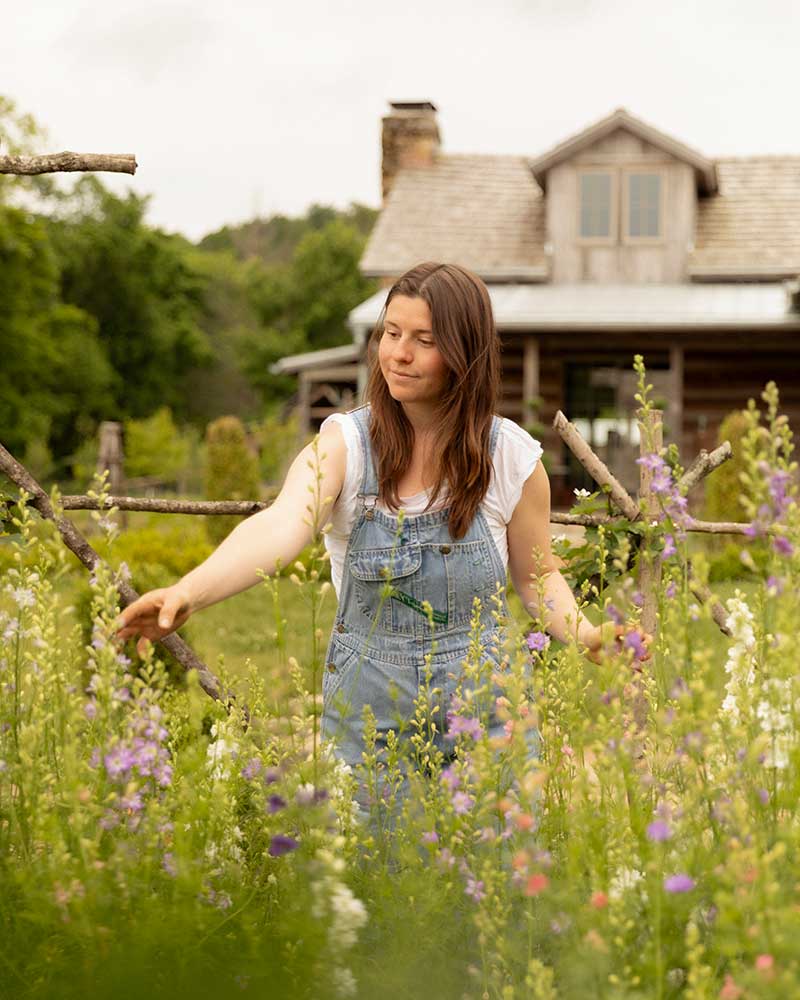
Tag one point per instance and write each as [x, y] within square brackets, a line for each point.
[614, 614]
[537, 642]
[669, 547]
[763, 796]
[679, 883]
[168, 864]
[446, 858]
[775, 585]
[671, 590]
[633, 640]
[659, 831]
[462, 803]
[90, 709]
[637, 598]
[782, 546]
[652, 461]
[275, 803]
[281, 844]
[119, 761]
[461, 725]
[474, 889]
[251, 769]
[451, 778]
[131, 803]
[430, 837]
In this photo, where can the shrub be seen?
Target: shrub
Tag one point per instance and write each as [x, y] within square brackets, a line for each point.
[231, 472]
[724, 485]
[155, 447]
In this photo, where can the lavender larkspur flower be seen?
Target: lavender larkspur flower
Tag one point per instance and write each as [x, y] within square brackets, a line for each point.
[669, 547]
[634, 641]
[782, 545]
[474, 889]
[251, 769]
[462, 725]
[537, 641]
[282, 844]
[659, 831]
[462, 803]
[614, 614]
[275, 803]
[430, 837]
[679, 883]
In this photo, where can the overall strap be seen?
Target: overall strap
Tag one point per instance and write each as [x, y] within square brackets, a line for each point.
[494, 434]
[368, 491]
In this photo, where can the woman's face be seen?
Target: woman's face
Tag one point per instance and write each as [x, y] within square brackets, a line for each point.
[410, 361]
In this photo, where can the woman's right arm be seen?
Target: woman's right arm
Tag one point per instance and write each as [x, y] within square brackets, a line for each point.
[274, 536]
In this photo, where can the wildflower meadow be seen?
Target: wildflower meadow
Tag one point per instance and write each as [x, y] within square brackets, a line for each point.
[154, 842]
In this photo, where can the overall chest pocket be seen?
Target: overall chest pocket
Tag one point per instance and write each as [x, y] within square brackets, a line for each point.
[379, 575]
[470, 573]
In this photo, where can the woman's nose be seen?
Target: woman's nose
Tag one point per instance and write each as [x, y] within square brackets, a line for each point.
[402, 350]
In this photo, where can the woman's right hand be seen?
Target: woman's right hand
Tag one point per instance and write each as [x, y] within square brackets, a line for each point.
[154, 615]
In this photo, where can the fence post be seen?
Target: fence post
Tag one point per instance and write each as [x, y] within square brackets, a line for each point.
[111, 457]
[650, 441]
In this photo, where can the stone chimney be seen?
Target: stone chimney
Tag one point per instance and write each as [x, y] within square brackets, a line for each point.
[410, 138]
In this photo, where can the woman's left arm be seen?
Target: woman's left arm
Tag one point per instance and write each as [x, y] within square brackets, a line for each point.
[535, 569]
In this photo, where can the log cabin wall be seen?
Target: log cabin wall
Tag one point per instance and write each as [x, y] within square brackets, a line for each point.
[716, 373]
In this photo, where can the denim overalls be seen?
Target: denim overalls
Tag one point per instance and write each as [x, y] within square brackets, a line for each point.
[382, 634]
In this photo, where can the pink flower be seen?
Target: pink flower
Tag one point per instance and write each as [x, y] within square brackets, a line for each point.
[679, 883]
[659, 831]
[537, 642]
[462, 803]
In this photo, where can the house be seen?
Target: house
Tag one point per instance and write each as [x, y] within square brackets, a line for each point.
[620, 240]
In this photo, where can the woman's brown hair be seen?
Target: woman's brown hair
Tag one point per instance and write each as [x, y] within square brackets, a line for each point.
[466, 337]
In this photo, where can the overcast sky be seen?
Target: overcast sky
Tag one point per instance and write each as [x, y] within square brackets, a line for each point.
[242, 108]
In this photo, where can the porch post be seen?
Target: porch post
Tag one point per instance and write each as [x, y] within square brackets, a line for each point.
[675, 406]
[530, 377]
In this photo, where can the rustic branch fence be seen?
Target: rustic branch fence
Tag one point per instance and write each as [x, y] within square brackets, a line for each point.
[630, 512]
[650, 424]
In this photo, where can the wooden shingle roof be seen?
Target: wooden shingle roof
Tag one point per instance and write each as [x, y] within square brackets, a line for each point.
[486, 212]
[752, 227]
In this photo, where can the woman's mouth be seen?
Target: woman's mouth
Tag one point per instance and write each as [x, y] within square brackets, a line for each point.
[401, 375]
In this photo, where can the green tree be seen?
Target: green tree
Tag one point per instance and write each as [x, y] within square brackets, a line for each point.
[55, 379]
[137, 284]
[304, 305]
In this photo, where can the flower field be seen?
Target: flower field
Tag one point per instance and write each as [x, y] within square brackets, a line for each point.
[155, 842]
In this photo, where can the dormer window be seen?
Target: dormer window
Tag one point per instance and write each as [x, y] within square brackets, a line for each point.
[622, 205]
[643, 205]
[598, 206]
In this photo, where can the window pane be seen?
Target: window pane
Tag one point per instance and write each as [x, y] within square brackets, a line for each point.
[595, 204]
[644, 204]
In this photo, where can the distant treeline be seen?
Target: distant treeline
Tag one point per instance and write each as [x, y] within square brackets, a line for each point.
[103, 317]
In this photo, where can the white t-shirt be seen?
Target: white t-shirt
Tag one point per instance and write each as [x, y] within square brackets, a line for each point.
[515, 458]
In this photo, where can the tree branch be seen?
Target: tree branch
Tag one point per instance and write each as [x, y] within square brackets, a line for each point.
[118, 163]
[704, 463]
[76, 543]
[597, 469]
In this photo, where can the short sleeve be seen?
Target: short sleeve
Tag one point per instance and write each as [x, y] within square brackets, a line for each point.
[345, 505]
[515, 458]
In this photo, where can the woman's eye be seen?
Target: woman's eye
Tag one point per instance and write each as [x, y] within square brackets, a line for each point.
[426, 343]
[390, 333]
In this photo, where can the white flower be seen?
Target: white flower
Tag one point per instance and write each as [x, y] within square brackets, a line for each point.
[349, 916]
[625, 879]
[582, 494]
[218, 758]
[21, 596]
[344, 982]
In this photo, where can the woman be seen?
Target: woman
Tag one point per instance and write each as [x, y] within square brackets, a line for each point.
[475, 500]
